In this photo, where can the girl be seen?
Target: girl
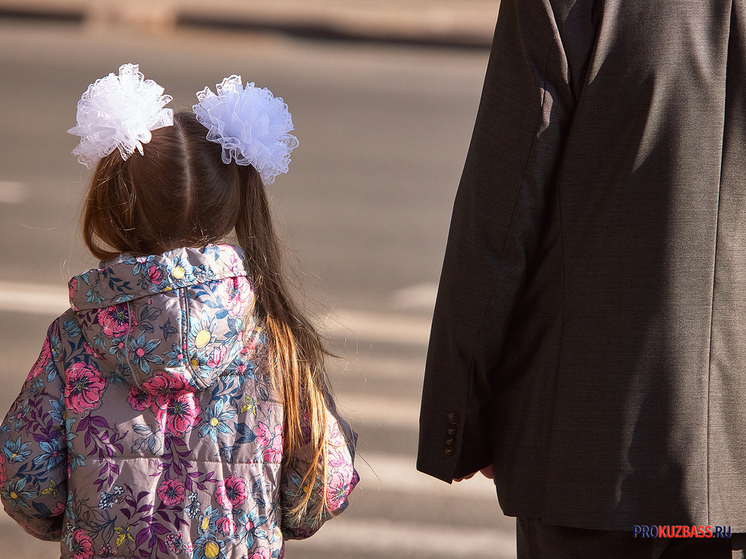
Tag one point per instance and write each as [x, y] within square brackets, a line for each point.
[180, 408]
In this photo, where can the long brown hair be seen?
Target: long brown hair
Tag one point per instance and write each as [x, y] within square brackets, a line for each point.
[180, 193]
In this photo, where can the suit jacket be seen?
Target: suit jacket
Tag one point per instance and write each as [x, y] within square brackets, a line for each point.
[589, 337]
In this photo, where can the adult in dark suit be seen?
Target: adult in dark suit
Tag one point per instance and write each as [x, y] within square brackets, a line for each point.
[589, 337]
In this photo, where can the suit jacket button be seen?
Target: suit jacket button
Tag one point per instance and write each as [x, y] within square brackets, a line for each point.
[453, 418]
[450, 441]
[449, 450]
[451, 431]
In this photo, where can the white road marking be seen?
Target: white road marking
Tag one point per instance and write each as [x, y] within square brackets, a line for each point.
[387, 538]
[420, 296]
[397, 473]
[365, 367]
[378, 327]
[12, 192]
[33, 298]
[50, 299]
[384, 411]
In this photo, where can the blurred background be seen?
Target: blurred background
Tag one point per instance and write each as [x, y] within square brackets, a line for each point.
[383, 95]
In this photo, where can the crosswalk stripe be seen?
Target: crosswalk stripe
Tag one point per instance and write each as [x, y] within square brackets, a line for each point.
[389, 538]
[386, 367]
[12, 192]
[34, 298]
[383, 411]
[397, 473]
[378, 327]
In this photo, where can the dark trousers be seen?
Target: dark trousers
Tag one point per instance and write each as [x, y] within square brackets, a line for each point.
[537, 540]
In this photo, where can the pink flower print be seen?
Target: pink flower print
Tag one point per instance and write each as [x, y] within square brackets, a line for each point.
[174, 542]
[339, 486]
[334, 434]
[90, 351]
[273, 454]
[115, 320]
[260, 553]
[71, 287]
[230, 493]
[164, 386]
[35, 371]
[84, 388]
[3, 472]
[156, 275]
[41, 363]
[272, 441]
[263, 435]
[173, 402]
[236, 295]
[81, 545]
[226, 526]
[58, 509]
[138, 399]
[180, 415]
[171, 492]
[216, 356]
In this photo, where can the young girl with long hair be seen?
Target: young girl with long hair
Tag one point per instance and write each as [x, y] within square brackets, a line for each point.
[180, 407]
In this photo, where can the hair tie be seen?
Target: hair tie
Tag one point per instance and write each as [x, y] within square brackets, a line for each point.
[250, 124]
[119, 112]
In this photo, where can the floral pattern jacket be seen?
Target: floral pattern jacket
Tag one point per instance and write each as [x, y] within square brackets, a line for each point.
[148, 427]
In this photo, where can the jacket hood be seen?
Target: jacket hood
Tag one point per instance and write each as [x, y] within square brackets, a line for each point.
[178, 319]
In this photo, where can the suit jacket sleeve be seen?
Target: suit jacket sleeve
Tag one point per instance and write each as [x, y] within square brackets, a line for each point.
[500, 208]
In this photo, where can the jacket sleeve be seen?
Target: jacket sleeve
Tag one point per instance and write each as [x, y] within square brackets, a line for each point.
[341, 480]
[33, 460]
[500, 208]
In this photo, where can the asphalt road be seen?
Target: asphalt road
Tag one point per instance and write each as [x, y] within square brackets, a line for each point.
[365, 208]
